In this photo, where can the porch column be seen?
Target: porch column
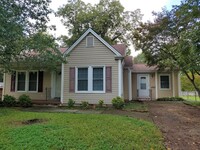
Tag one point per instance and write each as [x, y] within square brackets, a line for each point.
[119, 78]
[173, 88]
[62, 83]
[156, 84]
[130, 84]
[53, 84]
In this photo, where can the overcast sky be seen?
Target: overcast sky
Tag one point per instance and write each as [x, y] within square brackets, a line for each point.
[146, 6]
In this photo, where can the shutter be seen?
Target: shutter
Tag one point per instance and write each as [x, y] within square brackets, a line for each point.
[109, 79]
[40, 81]
[72, 80]
[13, 78]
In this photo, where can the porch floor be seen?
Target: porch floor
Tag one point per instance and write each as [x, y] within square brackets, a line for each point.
[46, 102]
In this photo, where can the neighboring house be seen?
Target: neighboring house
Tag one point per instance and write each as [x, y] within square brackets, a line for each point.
[95, 71]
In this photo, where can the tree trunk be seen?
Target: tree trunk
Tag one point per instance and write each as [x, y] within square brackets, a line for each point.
[192, 80]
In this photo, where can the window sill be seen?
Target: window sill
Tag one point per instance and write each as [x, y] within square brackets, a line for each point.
[90, 92]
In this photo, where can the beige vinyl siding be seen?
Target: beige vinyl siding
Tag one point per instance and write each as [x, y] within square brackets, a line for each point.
[82, 56]
[33, 95]
[152, 85]
[134, 86]
[168, 92]
[125, 81]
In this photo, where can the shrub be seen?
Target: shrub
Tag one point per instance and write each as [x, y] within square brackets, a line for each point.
[118, 102]
[9, 101]
[101, 102]
[85, 104]
[170, 99]
[25, 101]
[71, 103]
[1, 104]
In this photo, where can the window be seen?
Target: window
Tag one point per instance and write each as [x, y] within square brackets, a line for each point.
[164, 82]
[82, 79]
[33, 81]
[90, 79]
[27, 81]
[90, 41]
[97, 79]
[21, 81]
[143, 83]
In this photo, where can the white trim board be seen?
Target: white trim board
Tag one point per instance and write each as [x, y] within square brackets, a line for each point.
[98, 37]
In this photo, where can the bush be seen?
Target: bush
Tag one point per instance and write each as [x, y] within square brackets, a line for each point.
[85, 104]
[71, 103]
[101, 102]
[9, 101]
[1, 104]
[170, 99]
[25, 101]
[118, 102]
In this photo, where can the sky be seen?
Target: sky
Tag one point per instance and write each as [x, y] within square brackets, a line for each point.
[146, 7]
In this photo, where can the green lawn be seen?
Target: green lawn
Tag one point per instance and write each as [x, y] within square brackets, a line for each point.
[191, 100]
[76, 132]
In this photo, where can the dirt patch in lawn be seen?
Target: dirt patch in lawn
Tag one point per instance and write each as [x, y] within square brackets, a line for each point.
[179, 123]
[33, 121]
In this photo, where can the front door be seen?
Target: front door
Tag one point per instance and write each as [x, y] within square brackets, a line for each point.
[143, 85]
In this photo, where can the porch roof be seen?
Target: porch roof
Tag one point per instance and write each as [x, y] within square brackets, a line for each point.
[143, 68]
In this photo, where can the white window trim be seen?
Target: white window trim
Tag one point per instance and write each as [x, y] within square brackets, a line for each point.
[26, 81]
[169, 81]
[87, 41]
[90, 79]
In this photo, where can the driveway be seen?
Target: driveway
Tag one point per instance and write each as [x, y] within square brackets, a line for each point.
[179, 123]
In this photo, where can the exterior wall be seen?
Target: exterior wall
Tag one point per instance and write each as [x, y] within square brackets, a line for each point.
[168, 92]
[161, 92]
[82, 56]
[134, 86]
[125, 80]
[33, 95]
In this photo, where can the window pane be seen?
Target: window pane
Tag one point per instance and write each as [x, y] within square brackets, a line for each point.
[82, 79]
[97, 79]
[164, 81]
[143, 83]
[32, 81]
[21, 81]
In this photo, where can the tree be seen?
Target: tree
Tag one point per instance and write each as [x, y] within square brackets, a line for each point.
[22, 28]
[139, 59]
[172, 40]
[107, 18]
[186, 85]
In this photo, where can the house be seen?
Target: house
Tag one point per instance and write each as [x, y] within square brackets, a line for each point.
[95, 70]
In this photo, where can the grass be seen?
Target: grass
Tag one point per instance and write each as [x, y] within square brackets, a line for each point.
[136, 106]
[191, 100]
[76, 131]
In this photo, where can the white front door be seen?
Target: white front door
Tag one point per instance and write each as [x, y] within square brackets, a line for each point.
[143, 85]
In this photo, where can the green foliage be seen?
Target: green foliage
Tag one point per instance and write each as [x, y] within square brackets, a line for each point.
[62, 127]
[84, 104]
[24, 101]
[100, 103]
[71, 103]
[170, 99]
[172, 40]
[186, 84]
[23, 25]
[107, 18]
[1, 104]
[9, 101]
[118, 102]
[136, 106]
[140, 59]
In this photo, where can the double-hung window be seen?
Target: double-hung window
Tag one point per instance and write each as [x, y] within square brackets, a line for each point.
[82, 79]
[164, 82]
[27, 81]
[21, 81]
[90, 79]
[33, 79]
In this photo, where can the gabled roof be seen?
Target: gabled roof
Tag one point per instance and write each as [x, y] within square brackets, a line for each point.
[143, 68]
[121, 48]
[98, 37]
